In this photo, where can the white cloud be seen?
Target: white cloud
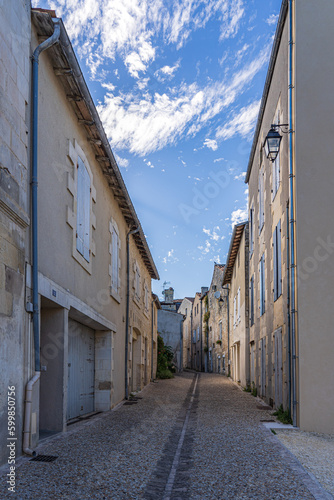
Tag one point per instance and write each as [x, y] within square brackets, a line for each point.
[272, 19]
[239, 215]
[231, 20]
[240, 177]
[121, 162]
[167, 72]
[127, 28]
[242, 124]
[213, 235]
[170, 259]
[147, 123]
[211, 144]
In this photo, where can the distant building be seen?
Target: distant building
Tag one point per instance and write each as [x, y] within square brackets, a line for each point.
[170, 327]
[235, 276]
[215, 324]
[186, 310]
[170, 304]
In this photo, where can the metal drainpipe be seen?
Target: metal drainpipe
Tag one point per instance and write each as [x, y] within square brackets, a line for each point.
[34, 234]
[228, 328]
[191, 338]
[288, 301]
[201, 337]
[152, 324]
[34, 183]
[133, 231]
[292, 221]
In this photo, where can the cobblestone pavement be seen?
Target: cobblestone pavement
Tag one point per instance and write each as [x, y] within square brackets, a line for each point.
[193, 437]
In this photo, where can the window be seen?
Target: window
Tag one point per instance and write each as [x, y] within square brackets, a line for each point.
[194, 336]
[261, 199]
[137, 282]
[262, 286]
[276, 164]
[198, 333]
[277, 261]
[146, 297]
[220, 330]
[83, 210]
[239, 312]
[251, 232]
[234, 311]
[251, 315]
[115, 259]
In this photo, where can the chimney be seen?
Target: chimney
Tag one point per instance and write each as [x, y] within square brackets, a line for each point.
[169, 295]
[204, 289]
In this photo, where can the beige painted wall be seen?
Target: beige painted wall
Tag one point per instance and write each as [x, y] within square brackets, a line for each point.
[59, 132]
[239, 337]
[275, 315]
[315, 207]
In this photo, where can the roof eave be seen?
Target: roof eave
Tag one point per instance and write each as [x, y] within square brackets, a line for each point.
[272, 62]
[127, 207]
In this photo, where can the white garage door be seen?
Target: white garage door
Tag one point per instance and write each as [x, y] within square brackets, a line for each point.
[81, 370]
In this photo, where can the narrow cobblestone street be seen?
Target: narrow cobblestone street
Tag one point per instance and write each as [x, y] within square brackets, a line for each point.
[193, 437]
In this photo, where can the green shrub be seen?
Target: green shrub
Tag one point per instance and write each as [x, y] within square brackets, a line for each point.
[283, 415]
[165, 364]
[254, 390]
[165, 374]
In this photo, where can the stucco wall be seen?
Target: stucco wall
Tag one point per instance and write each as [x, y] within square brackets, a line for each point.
[275, 315]
[314, 108]
[14, 203]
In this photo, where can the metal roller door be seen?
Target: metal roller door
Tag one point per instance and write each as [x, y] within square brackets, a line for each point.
[81, 370]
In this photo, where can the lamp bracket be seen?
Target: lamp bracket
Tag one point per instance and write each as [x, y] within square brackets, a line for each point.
[276, 126]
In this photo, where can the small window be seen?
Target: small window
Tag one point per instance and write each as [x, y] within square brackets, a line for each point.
[83, 211]
[261, 199]
[220, 330]
[146, 297]
[137, 282]
[262, 286]
[115, 259]
[251, 231]
[277, 261]
[276, 164]
[239, 313]
[251, 316]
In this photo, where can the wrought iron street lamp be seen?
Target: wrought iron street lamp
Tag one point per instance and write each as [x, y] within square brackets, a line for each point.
[273, 141]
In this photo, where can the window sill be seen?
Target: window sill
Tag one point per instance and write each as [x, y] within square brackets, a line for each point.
[136, 300]
[115, 295]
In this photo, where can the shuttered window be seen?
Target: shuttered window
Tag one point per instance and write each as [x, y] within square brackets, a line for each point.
[261, 199]
[251, 231]
[252, 301]
[276, 165]
[262, 286]
[239, 314]
[83, 211]
[115, 259]
[277, 261]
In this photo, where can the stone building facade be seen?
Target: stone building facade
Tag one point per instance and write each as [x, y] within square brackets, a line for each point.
[186, 310]
[215, 324]
[291, 265]
[236, 277]
[93, 280]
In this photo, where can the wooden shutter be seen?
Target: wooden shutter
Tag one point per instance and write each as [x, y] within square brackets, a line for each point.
[279, 257]
[83, 211]
[275, 262]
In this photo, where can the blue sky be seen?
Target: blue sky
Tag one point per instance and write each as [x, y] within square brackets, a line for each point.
[178, 85]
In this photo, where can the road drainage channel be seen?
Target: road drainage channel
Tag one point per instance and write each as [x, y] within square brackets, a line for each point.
[171, 476]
